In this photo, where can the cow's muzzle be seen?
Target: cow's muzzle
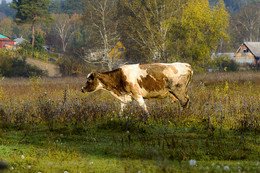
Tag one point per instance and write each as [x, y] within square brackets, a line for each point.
[82, 90]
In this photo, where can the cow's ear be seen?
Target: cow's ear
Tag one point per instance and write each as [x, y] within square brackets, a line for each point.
[92, 75]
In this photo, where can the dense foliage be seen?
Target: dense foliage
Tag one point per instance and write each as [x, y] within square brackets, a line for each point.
[16, 67]
[224, 63]
[31, 12]
[150, 31]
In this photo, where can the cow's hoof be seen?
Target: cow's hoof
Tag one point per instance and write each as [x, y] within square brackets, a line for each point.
[3, 165]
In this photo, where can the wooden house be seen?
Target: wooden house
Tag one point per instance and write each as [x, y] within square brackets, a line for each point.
[248, 53]
[6, 43]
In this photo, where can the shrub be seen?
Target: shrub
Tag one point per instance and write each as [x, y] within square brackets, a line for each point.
[15, 67]
[224, 63]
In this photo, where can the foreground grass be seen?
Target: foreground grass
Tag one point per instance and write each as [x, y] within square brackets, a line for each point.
[47, 125]
[136, 147]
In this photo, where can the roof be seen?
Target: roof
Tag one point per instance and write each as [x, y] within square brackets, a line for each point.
[19, 40]
[2, 36]
[230, 54]
[254, 47]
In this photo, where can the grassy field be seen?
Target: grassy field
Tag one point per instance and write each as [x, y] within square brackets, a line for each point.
[48, 125]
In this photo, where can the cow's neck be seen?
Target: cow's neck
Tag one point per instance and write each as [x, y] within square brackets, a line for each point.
[113, 81]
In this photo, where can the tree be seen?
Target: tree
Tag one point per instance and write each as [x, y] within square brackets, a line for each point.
[100, 16]
[39, 40]
[21, 31]
[55, 7]
[149, 24]
[196, 34]
[6, 27]
[65, 31]
[62, 27]
[6, 9]
[247, 23]
[31, 12]
[71, 7]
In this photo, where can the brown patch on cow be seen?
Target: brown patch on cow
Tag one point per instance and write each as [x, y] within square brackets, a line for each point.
[175, 71]
[182, 80]
[152, 66]
[114, 81]
[155, 80]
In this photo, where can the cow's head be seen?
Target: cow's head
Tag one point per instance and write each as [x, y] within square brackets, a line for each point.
[92, 83]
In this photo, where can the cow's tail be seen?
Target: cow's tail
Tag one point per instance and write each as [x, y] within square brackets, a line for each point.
[189, 77]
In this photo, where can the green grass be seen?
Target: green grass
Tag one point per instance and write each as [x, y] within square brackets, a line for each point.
[47, 128]
[136, 147]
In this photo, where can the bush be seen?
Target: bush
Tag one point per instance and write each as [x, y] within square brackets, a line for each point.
[15, 67]
[224, 63]
[72, 63]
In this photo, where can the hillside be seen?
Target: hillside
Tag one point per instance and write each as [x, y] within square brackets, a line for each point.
[52, 69]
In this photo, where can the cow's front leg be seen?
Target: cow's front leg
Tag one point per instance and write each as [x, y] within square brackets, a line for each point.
[124, 100]
[123, 105]
[140, 101]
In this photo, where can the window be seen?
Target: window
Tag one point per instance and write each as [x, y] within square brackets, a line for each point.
[245, 50]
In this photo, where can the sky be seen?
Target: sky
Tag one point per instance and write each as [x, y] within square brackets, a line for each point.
[6, 1]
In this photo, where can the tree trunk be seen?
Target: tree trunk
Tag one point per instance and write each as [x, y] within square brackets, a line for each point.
[33, 34]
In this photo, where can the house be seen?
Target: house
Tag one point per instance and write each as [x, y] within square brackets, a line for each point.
[19, 41]
[248, 53]
[228, 54]
[6, 43]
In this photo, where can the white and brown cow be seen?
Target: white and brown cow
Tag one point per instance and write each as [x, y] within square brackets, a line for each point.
[143, 81]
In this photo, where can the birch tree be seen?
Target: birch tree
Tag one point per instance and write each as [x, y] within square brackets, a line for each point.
[149, 23]
[63, 30]
[247, 22]
[62, 27]
[101, 16]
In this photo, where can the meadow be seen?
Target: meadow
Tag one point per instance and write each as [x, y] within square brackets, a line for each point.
[48, 125]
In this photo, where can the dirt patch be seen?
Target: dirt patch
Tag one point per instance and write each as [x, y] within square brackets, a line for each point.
[51, 69]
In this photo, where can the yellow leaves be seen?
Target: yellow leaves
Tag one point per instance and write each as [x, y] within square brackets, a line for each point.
[1, 93]
[117, 51]
[199, 16]
[200, 27]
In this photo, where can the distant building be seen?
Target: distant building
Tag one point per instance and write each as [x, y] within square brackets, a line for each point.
[229, 54]
[19, 41]
[6, 43]
[248, 53]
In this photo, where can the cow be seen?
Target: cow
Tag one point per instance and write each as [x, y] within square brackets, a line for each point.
[143, 81]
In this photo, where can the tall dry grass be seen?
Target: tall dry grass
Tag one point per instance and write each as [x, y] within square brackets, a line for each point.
[218, 100]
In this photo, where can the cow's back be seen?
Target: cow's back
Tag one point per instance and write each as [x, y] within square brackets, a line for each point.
[174, 70]
[154, 80]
